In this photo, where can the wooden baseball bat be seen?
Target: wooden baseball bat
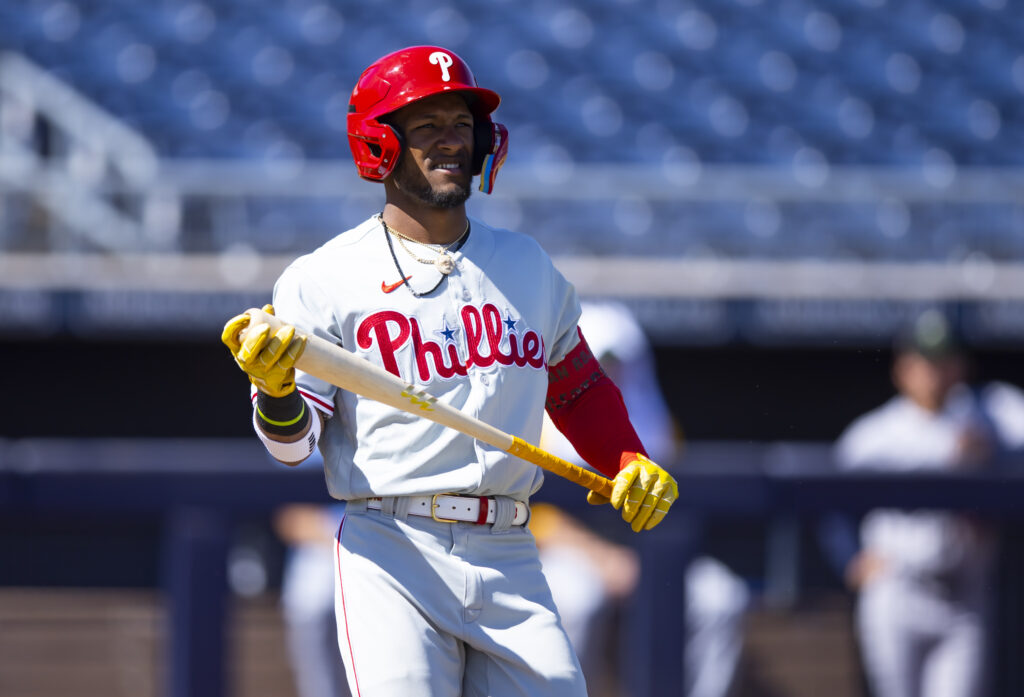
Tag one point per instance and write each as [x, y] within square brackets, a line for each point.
[343, 368]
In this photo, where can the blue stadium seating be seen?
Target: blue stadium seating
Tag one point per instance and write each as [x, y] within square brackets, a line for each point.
[847, 76]
[841, 82]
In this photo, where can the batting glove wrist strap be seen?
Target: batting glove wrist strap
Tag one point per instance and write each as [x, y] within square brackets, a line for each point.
[282, 416]
[294, 452]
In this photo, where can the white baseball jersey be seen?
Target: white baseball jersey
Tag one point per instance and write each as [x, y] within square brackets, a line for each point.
[481, 343]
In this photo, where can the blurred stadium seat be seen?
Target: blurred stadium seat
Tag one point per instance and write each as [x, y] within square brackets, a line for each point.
[709, 72]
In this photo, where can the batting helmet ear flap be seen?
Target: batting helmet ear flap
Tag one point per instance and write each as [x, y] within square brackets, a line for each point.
[377, 147]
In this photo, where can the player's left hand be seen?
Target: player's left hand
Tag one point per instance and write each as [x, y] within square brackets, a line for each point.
[268, 359]
[643, 491]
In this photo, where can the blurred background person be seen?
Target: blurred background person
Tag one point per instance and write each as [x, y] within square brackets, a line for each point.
[925, 579]
[590, 575]
[307, 594]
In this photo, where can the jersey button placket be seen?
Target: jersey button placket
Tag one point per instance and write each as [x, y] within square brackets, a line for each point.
[460, 292]
[457, 286]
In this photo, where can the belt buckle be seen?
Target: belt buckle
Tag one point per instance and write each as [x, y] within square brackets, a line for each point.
[433, 510]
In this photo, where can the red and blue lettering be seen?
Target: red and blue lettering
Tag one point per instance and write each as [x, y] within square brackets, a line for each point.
[487, 339]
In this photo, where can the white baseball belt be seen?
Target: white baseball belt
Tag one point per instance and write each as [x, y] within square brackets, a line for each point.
[455, 508]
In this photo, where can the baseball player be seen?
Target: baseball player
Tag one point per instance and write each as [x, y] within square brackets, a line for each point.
[925, 577]
[439, 589]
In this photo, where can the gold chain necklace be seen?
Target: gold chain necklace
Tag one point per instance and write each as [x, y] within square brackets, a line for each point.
[444, 262]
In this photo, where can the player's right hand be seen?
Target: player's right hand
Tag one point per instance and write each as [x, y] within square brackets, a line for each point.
[268, 359]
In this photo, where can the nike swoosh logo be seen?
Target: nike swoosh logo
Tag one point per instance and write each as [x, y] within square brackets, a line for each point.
[388, 287]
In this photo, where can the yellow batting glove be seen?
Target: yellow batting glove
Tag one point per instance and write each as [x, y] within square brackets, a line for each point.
[268, 359]
[643, 491]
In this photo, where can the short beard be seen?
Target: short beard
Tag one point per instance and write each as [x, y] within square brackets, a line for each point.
[450, 199]
[413, 183]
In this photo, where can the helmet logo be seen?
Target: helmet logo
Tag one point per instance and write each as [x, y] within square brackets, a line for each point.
[443, 60]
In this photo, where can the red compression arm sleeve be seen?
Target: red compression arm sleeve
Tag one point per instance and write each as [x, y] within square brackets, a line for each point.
[587, 408]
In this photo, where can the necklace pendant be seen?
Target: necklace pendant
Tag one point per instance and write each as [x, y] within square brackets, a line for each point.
[445, 263]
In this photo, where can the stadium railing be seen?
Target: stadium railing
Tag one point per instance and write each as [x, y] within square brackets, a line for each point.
[200, 488]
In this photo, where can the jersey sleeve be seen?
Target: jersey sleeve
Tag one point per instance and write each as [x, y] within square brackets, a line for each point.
[583, 403]
[855, 448]
[566, 317]
[846, 453]
[299, 301]
[1004, 405]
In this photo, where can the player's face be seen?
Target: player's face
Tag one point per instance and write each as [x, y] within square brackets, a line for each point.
[927, 381]
[436, 162]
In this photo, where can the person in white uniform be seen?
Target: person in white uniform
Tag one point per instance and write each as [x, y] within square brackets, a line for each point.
[925, 578]
[439, 589]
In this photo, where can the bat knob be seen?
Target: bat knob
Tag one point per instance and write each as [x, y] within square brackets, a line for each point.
[257, 316]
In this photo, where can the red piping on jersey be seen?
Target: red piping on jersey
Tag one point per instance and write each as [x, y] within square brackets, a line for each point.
[317, 401]
[324, 406]
[344, 613]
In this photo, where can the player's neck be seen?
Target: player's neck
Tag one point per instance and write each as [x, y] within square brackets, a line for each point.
[427, 225]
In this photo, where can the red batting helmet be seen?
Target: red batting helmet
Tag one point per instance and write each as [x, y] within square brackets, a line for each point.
[403, 77]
